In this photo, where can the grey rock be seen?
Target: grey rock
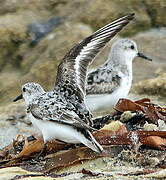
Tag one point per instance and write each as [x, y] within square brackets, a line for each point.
[40, 30]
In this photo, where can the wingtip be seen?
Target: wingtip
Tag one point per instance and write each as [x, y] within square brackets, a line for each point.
[131, 16]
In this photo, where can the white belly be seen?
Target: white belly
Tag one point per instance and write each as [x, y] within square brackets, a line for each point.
[52, 130]
[103, 102]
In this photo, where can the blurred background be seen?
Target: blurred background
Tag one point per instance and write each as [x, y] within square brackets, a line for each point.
[36, 34]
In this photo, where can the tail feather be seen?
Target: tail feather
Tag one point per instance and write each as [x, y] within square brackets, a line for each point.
[92, 143]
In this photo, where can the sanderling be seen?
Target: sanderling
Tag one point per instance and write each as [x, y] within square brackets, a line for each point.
[112, 80]
[62, 114]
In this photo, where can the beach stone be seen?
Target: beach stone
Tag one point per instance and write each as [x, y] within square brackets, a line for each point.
[110, 10]
[151, 43]
[156, 10]
[155, 86]
[150, 127]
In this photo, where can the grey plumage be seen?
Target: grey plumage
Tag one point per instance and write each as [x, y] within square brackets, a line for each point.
[62, 113]
[112, 80]
[102, 80]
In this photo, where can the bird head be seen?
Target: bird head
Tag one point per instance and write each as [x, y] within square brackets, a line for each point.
[29, 92]
[127, 50]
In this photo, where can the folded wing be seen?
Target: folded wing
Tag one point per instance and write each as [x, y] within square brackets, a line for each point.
[62, 116]
[102, 81]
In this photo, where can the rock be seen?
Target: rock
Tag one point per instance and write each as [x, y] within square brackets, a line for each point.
[10, 86]
[116, 171]
[13, 33]
[155, 86]
[156, 10]
[10, 130]
[13, 109]
[36, 6]
[126, 116]
[156, 175]
[13, 121]
[153, 161]
[153, 127]
[11, 172]
[110, 10]
[152, 43]
[113, 126]
[150, 127]
[161, 125]
[14, 18]
[40, 63]
[40, 30]
[97, 13]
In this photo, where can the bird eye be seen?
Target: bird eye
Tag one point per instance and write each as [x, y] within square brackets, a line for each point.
[23, 89]
[132, 47]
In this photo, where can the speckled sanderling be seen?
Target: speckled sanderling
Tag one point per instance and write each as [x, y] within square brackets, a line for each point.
[62, 114]
[112, 80]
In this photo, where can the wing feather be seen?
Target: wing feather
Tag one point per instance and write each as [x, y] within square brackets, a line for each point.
[102, 81]
[64, 117]
[102, 88]
[75, 63]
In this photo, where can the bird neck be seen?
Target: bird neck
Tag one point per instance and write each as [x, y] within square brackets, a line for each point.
[117, 61]
[29, 100]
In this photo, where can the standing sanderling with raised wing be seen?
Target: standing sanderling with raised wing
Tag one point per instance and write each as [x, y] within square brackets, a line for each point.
[113, 80]
[62, 114]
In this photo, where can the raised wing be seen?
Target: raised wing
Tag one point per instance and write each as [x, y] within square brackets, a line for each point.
[73, 68]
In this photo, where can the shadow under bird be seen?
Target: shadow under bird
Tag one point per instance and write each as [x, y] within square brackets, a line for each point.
[112, 80]
[62, 114]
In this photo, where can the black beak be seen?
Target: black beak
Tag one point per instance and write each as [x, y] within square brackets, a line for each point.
[18, 98]
[143, 56]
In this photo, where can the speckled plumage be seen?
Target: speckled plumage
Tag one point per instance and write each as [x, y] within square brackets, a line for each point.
[112, 80]
[62, 113]
[53, 106]
[102, 80]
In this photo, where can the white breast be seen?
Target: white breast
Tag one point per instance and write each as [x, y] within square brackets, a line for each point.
[52, 130]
